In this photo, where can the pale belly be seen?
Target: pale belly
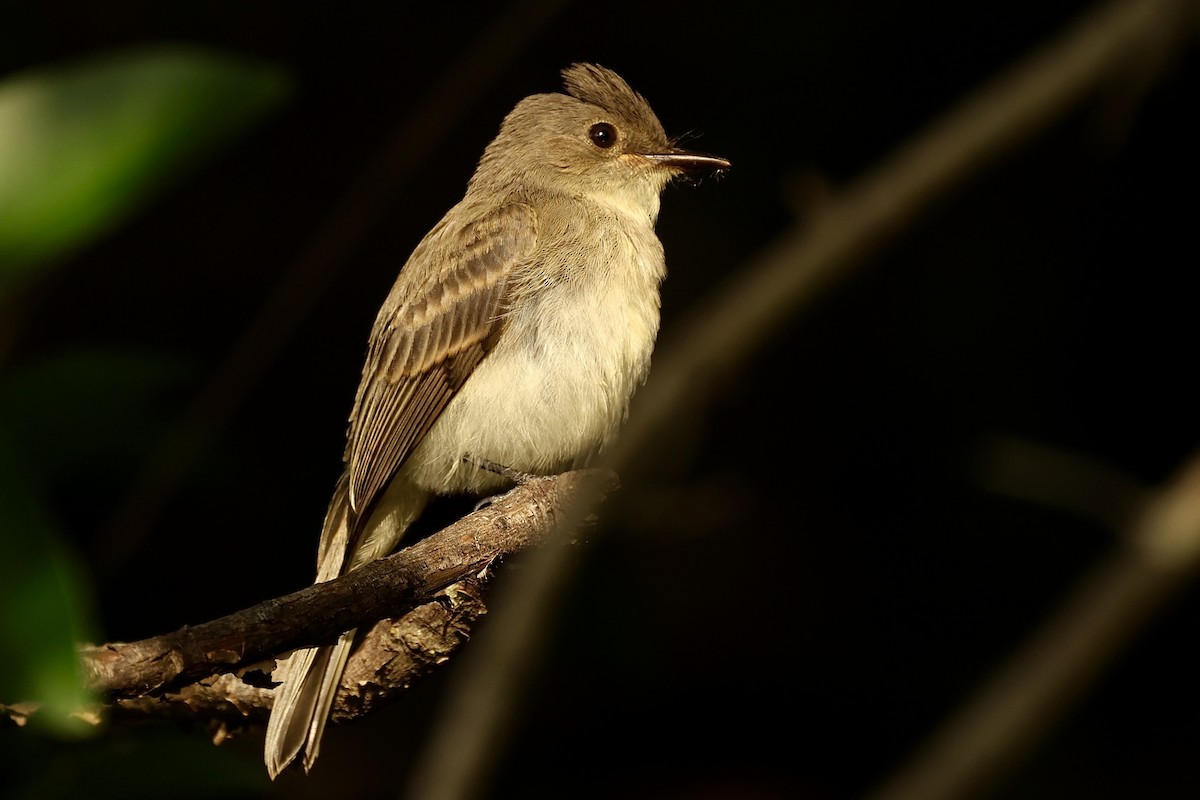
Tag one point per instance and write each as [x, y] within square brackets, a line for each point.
[553, 392]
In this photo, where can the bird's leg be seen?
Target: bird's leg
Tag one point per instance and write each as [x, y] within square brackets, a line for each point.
[514, 475]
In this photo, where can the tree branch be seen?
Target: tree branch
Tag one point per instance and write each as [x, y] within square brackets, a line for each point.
[435, 584]
[389, 658]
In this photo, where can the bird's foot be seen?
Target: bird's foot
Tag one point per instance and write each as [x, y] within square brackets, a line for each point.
[514, 475]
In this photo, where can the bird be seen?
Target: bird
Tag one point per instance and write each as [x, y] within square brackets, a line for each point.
[510, 344]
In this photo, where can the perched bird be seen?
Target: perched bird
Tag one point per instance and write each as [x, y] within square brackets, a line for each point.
[509, 345]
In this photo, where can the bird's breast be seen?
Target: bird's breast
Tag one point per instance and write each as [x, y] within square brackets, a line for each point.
[557, 385]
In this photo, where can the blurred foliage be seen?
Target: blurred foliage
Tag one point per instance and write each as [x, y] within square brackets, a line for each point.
[44, 610]
[83, 146]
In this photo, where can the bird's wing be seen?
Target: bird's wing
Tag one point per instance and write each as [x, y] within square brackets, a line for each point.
[440, 320]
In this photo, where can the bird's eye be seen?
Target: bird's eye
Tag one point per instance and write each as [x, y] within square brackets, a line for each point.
[603, 135]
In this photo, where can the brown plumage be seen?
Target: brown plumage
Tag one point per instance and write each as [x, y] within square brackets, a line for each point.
[515, 335]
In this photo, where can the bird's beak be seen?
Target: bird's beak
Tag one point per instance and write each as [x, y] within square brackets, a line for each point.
[690, 161]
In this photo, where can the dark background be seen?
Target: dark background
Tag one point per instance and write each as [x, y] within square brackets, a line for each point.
[816, 575]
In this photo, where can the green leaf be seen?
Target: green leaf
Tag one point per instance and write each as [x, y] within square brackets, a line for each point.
[44, 608]
[85, 144]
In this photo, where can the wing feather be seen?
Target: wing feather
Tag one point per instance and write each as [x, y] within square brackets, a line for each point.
[438, 323]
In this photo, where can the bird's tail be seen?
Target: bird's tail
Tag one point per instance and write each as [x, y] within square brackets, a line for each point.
[309, 678]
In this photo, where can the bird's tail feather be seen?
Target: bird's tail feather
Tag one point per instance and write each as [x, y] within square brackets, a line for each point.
[308, 682]
[309, 678]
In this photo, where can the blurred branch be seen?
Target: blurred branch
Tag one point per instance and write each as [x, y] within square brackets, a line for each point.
[333, 242]
[1047, 476]
[774, 287]
[448, 566]
[1020, 704]
[855, 224]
